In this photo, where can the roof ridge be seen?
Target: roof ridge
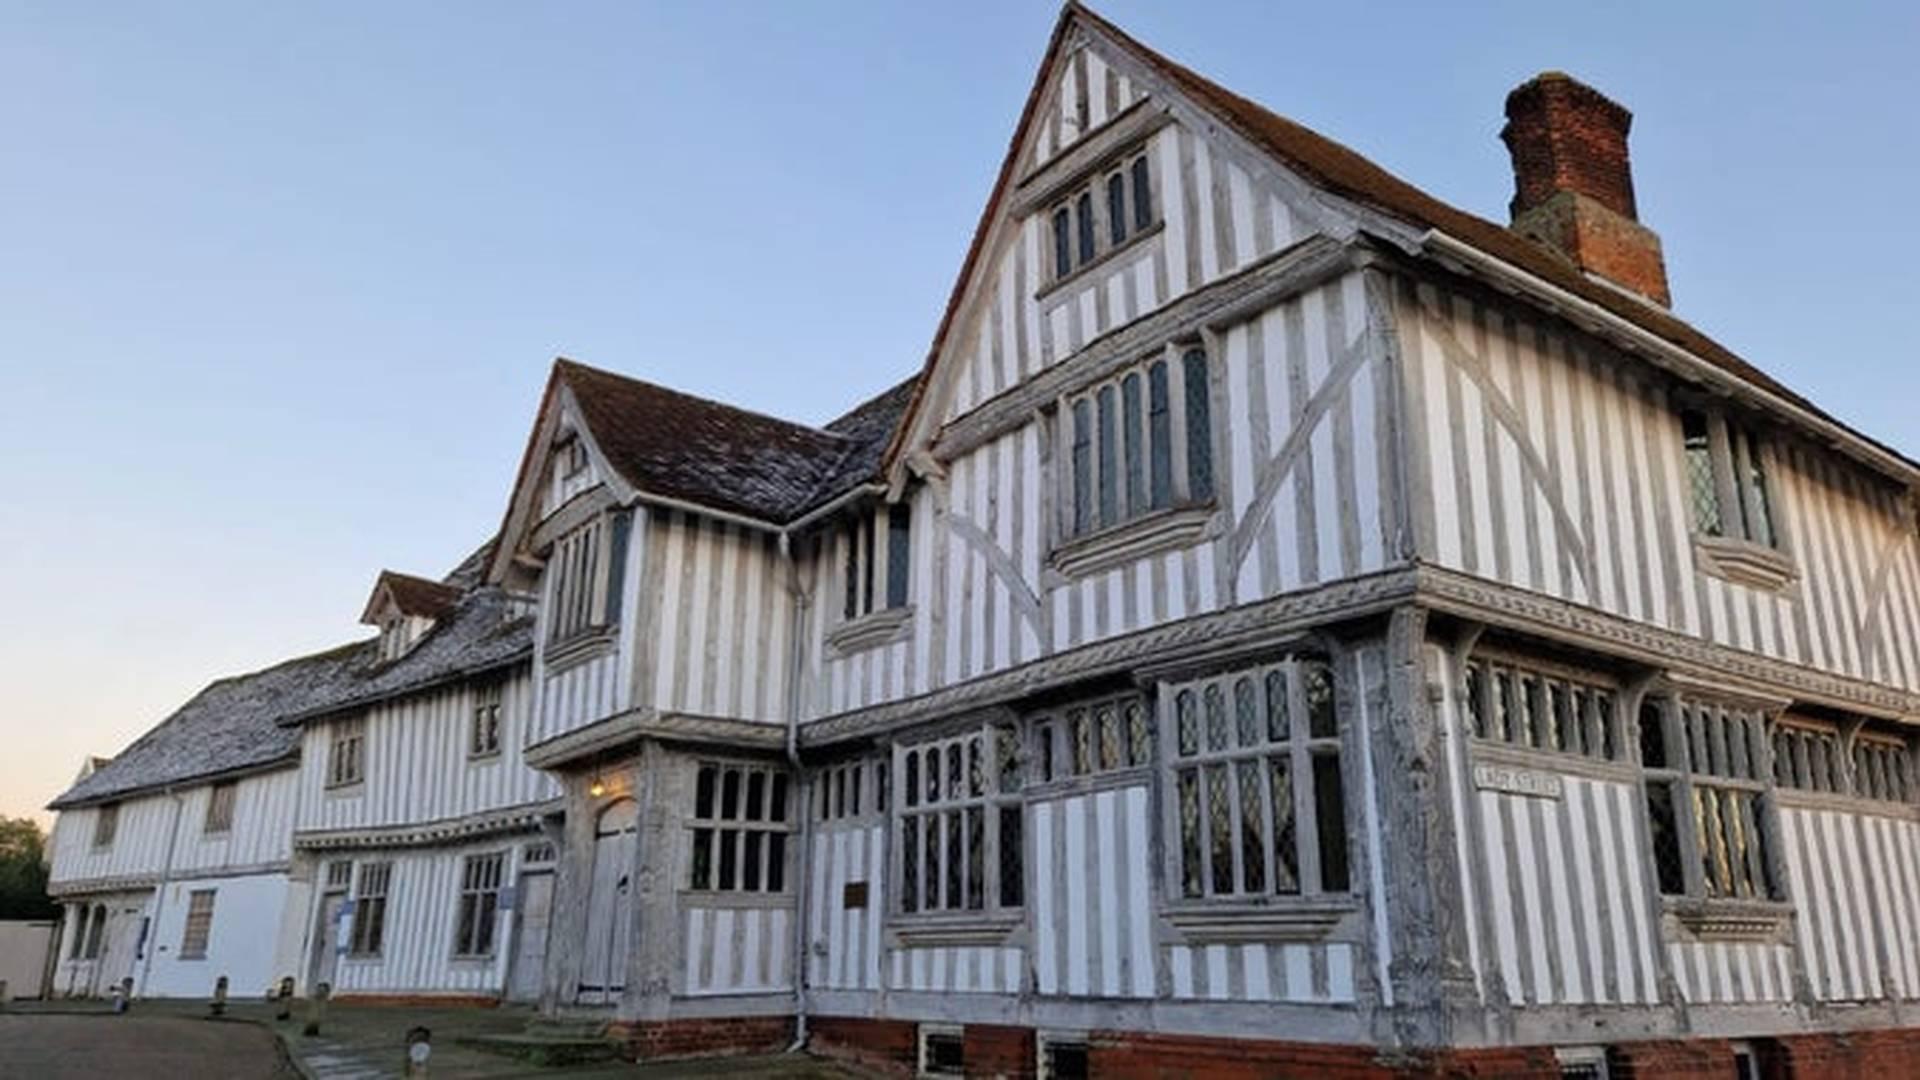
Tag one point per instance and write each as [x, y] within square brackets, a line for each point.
[569, 363]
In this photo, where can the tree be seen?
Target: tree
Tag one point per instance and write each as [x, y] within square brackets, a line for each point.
[23, 871]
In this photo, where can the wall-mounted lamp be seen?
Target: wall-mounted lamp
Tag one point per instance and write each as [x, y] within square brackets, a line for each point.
[596, 789]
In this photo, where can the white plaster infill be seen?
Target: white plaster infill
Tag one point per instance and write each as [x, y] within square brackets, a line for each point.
[1162, 530]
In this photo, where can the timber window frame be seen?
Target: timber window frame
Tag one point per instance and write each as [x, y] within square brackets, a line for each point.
[851, 790]
[1086, 739]
[1736, 517]
[1708, 776]
[1851, 760]
[106, 823]
[220, 798]
[483, 731]
[577, 572]
[959, 825]
[1137, 448]
[1115, 205]
[477, 911]
[1883, 768]
[1542, 708]
[876, 573]
[1262, 744]
[941, 1050]
[198, 927]
[737, 828]
[346, 752]
[368, 933]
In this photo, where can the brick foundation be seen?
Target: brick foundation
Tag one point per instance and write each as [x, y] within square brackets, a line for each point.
[1008, 1053]
[705, 1037]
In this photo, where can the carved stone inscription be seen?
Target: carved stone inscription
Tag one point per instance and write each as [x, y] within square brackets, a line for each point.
[1529, 783]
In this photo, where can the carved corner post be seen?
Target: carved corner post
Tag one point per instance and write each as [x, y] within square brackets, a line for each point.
[659, 784]
[1430, 967]
[572, 836]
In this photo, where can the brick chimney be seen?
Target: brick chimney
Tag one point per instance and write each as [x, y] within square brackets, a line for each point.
[1573, 186]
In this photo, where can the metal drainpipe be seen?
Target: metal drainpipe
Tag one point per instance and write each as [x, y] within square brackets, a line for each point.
[151, 944]
[802, 600]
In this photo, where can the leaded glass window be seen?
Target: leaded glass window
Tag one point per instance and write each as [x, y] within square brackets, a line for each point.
[1259, 802]
[1534, 707]
[1129, 456]
[1091, 737]
[1708, 793]
[1727, 482]
[960, 830]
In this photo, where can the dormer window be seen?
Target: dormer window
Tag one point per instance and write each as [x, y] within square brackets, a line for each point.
[1727, 476]
[585, 571]
[393, 638]
[1114, 206]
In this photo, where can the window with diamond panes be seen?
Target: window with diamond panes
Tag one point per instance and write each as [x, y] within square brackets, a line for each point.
[959, 824]
[1707, 783]
[1727, 465]
[1259, 802]
[1085, 739]
[1535, 709]
[739, 829]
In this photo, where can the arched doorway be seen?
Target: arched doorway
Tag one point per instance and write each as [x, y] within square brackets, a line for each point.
[603, 953]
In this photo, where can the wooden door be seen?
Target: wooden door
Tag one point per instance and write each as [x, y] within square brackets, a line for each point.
[530, 940]
[603, 953]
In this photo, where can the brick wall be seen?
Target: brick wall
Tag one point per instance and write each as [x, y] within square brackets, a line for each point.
[999, 1053]
[890, 1046]
[707, 1037]
[1864, 1055]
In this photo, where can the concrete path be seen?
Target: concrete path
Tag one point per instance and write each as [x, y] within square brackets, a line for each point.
[72, 1047]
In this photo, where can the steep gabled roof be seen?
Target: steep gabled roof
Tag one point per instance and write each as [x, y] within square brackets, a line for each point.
[1346, 173]
[412, 595]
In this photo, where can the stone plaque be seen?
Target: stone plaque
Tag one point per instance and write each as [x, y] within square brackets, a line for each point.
[1509, 780]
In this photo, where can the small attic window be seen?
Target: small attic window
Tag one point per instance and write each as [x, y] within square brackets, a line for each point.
[394, 638]
[570, 457]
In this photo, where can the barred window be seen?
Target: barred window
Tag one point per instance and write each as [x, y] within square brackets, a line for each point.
[339, 874]
[1807, 757]
[1882, 767]
[739, 829]
[370, 909]
[1538, 710]
[220, 808]
[1258, 797]
[1727, 478]
[483, 738]
[345, 764]
[106, 822]
[1707, 792]
[479, 907]
[960, 826]
[1092, 737]
[193, 939]
[1128, 454]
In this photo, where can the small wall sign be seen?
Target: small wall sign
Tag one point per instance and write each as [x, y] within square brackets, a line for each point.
[854, 895]
[1527, 783]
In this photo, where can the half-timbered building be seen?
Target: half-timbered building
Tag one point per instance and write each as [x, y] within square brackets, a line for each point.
[1288, 621]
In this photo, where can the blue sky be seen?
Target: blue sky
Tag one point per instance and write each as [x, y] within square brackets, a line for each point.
[279, 283]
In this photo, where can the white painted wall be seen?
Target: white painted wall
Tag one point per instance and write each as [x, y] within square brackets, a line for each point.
[23, 955]
[241, 944]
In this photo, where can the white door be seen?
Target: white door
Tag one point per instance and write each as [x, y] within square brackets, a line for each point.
[530, 941]
[326, 942]
[603, 955]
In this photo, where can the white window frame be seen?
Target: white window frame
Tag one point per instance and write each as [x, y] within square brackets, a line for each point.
[476, 916]
[923, 1066]
[1202, 763]
[740, 832]
[106, 824]
[194, 936]
[221, 797]
[367, 937]
[1716, 754]
[1086, 739]
[1527, 705]
[577, 573]
[484, 728]
[1045, 1041]
[347, 752]
[1744, 486]
[1584, 1058]
[851, 790]
[926, 806]
[1094, 187]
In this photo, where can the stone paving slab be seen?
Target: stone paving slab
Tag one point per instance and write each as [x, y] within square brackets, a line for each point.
[72, 1046]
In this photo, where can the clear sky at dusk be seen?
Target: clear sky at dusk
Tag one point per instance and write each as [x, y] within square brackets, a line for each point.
[280, 283]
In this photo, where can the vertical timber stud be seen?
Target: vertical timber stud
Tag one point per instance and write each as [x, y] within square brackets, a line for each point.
[1430, 971]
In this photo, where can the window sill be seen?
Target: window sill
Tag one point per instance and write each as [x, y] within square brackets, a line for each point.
[1091, 266]
[487, 758]
[578, 649]
[1730, 920]
[1744, 563]
[734, 900]
[1116, 545]
[351, 790]
[870, 631]
[910, 931]
[1237, 923]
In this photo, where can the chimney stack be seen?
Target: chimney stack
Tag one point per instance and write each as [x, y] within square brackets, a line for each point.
[1573, 186]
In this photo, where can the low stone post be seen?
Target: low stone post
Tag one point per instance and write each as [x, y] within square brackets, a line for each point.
[284, 999]
[219, 1006]
[123, 994]
[317, 1009]
[419, 1050]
